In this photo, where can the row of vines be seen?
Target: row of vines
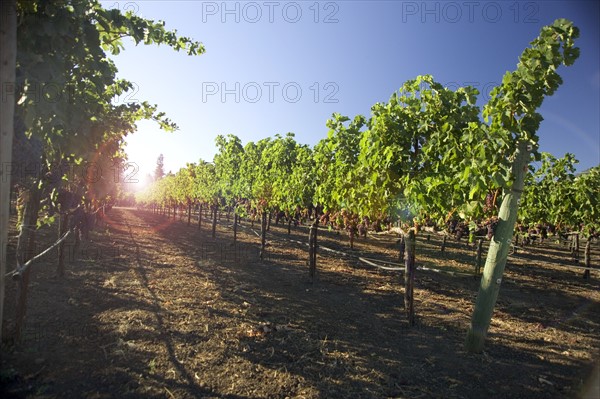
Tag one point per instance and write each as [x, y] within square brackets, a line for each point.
[62, 143]
[424, 158]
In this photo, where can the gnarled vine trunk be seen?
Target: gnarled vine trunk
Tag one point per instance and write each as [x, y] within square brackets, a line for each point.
[312, 249]
[26, 249]
[214, 222]
[8, 57]
[63, 225]
[409, 277]
[189, 217]
[263, 234]
[235, 223]
[200, 216]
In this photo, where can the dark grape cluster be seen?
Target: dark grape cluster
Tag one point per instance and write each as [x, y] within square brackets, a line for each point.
[490, 205]
[492, 223]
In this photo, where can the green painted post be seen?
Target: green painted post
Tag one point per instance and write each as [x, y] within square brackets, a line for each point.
[498, 254]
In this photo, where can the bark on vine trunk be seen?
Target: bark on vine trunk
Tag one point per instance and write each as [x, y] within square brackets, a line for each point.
[189, 213]
[8, 57]
[200, 216]
[587, 259]
[235, 223]
[263, 234]
[312, 249]
[25, 251]
[409, 278]
[214, 222]
[478, 260]
[402, 249]
[63, 225]
[497, 254]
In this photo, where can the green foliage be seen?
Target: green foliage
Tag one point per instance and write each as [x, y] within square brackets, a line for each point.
[547, 190]
[336, 158]
[555, 194]
[513, 104]
[299, 188]
[228, 161]
[66, 87]
[205, 183]
[184, 187]
[272, 162]
[261, 181]
[426, 153]
[411, 153]
[112, 26]
[585, 201]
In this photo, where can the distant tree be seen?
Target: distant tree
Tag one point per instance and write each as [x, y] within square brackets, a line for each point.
[159, 172]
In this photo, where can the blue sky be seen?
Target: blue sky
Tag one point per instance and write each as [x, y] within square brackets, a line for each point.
[279, 66]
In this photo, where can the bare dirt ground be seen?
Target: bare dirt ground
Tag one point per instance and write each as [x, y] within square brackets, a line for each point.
[151, 307]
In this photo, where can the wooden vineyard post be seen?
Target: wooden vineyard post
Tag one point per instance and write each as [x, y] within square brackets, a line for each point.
[269, 221]
[312, 249]
[479, 250]
[311, 268]
[576, 247]
[443, 244]
[571, 245]
[402, 243]
[200, 216]
[409, 278]
[263, 234]
[574, 244]
[587, 259]
[235, 222]
[214, 222]
[63, 222]
[315, 246]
